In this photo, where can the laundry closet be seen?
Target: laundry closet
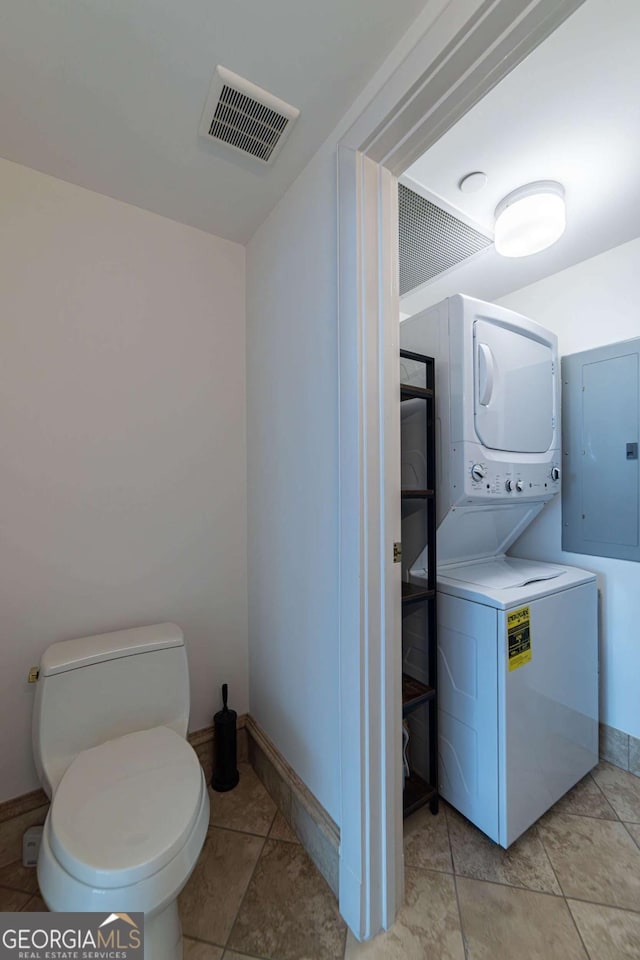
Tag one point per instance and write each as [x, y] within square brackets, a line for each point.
[508, 287]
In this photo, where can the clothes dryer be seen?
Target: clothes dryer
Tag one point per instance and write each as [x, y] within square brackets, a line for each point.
[517, 639]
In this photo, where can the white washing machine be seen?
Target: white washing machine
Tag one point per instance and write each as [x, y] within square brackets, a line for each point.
[517, 639]
[517, 689]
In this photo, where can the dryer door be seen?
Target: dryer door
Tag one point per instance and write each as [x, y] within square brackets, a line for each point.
[513, 389]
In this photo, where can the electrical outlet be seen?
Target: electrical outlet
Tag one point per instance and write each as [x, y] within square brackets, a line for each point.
[31, 846]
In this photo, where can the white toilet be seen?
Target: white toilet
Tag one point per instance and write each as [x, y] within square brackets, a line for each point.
[129, 804]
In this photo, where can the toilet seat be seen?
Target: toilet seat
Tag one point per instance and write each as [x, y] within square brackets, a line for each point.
[124, 809]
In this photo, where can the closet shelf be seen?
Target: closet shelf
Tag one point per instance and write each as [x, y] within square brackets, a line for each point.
[414, 693]
[413, 592]
[416, 793]
[407, 392]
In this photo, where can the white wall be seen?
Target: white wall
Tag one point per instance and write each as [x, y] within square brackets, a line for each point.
[122, 438]
[292, 396]
[588, 305]
[292, 424]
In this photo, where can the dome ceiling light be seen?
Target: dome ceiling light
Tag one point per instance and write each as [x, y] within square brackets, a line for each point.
[530, 219]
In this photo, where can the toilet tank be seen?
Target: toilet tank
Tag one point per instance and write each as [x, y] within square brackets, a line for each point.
[96, 688]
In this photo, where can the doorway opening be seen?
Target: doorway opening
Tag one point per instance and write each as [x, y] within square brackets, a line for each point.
[372, 870]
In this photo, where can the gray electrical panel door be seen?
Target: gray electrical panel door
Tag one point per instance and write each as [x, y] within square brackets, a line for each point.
[600, 427]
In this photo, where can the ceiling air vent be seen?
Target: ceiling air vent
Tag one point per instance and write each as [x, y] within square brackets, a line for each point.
[246, 118]
[432, 240]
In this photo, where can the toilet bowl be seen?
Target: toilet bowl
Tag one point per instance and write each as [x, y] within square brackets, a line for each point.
[129, 812]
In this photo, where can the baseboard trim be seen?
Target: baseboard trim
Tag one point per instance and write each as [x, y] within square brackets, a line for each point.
[199, 737]
[316, 830]
[17, 806]
[620, 749]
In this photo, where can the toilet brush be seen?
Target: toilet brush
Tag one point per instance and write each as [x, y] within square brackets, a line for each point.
[225, 769]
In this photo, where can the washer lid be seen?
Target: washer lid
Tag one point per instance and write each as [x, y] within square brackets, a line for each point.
[504, 572]
[125, 808]
[506, 582]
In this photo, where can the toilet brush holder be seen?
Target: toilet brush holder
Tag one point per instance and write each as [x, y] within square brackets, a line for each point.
[225, 767]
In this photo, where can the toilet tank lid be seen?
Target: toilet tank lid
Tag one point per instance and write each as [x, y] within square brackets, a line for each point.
[72, 654]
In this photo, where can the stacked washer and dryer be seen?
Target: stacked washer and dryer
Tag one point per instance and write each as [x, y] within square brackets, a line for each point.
[517, 639]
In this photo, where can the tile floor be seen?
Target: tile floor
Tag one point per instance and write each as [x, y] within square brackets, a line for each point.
[569, 889]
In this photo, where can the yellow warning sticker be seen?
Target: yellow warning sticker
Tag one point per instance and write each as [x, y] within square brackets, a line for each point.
[519, 637]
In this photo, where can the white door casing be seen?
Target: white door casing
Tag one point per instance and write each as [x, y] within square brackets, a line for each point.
[487, 40]
[370, 695]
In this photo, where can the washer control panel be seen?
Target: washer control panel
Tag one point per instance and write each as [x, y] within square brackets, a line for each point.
[511, 485]
[479, 478]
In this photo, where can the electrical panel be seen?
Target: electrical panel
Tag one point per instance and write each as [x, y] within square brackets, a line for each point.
[600, 434]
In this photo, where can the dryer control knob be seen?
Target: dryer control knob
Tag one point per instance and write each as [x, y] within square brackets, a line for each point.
[519, 486]
[478, 472]
[555, 473]
[510, 486]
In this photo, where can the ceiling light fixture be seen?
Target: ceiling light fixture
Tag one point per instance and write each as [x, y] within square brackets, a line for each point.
[530, 219]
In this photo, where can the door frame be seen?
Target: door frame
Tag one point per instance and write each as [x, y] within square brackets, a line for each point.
[468, 46]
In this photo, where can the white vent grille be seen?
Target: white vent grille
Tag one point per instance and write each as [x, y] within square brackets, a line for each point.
[432, 240]
[245, 117]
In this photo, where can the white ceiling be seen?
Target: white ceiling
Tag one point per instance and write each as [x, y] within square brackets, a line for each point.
[108, 93]
[569, 112]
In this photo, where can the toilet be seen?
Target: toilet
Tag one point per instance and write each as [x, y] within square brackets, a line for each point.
[129, 803]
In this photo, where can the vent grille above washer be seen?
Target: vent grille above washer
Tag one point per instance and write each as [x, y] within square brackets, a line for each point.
[432, 240]
[245, 117]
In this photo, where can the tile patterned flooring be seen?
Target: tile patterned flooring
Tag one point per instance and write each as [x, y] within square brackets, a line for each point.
[569, 889]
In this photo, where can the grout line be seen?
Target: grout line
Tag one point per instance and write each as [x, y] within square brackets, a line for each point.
[580, 816]
[455, 882]
[23, 908]
[295, 843]
[540, 836]
[617, 815]
[442, 873]
[510, 886]
[243, 833]
[208, 943]
[273, 820]
[13, 890]
[292, 843]
[249, 956]
[600, 903]
[577, 929]
[244, 895]
[587, 816]
[29, 893]
[626, 825]
[462, 933]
